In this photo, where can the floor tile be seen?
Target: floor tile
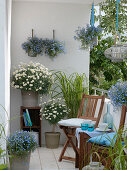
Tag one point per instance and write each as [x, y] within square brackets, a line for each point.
[47, 159]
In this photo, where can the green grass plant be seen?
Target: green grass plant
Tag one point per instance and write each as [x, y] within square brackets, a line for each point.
[70, 88]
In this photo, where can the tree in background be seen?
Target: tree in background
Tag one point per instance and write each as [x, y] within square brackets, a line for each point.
[103, 72]
[108, 22]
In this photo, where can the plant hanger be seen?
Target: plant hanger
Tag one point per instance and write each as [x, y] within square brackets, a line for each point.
[118, 52]
[92, 15]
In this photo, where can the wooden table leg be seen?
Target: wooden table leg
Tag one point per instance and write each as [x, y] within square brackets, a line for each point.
[64, 149]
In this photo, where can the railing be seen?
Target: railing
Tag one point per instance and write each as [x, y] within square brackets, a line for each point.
[100, 90]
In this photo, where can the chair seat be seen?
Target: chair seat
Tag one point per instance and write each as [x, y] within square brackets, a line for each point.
[74, 122]
[107, 139]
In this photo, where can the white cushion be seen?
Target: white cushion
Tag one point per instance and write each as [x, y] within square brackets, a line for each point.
[75, 122]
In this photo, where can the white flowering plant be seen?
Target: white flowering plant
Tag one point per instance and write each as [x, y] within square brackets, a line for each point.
[53, 111]
[32, 77]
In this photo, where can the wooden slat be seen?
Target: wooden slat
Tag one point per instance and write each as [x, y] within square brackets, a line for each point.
[81, 106]
[95, 105]
[123, 116]
[100, 111]
[68, 158]
[87, 108]
[91, 108]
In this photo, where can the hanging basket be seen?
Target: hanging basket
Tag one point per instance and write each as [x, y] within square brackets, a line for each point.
[94, 165]
[31, 54]
[29, 98]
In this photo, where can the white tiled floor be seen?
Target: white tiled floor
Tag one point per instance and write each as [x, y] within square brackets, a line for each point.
[47, 159]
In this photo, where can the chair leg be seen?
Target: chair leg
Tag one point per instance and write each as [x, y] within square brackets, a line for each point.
[82, 155]
[64, 149]
[76, 156]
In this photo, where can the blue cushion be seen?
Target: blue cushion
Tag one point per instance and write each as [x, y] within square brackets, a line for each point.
[107, 139]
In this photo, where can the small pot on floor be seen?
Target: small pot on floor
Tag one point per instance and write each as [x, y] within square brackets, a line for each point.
[52, 139]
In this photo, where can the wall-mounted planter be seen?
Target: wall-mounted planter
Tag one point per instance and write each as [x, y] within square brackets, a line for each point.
[35, 46]
[31, 54]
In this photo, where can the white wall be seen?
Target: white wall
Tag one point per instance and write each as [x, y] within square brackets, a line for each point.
[5, 11]
[43, 18]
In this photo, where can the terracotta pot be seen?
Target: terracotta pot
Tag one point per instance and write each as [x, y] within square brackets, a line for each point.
[52, 139]
[29, 98]
[18, 163]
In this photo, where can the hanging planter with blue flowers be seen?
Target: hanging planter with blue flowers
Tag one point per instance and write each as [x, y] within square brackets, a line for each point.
[33, 46]
[53, 47]
[88, 36]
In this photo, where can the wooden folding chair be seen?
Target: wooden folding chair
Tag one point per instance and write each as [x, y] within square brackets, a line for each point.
[89, 103]
[103, 150]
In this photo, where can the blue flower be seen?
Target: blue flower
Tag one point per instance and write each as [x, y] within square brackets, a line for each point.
[21, 143]
[53, 47]
[87, 35]
[118, 94]
[35, 45]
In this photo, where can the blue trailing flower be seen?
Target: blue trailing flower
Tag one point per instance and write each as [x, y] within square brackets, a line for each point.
[118, 94]
[87, 36]
[53, 47]
[21, 143]
[33, 46]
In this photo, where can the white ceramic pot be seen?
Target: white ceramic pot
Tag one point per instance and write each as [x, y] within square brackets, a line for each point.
[29, 98]
[18, 163]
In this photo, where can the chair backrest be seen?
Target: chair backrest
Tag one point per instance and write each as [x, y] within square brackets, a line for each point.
[91, 103]
[123, 117]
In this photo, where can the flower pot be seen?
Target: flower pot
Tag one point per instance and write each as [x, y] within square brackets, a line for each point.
[20, 163]
[29, 98]
[31, 54]
[52, 139]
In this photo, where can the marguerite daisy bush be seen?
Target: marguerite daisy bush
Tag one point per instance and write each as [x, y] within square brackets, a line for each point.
[32, 77]
[53, 110]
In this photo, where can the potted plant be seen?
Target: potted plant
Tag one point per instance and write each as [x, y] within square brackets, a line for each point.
[118, 94]
[3, 166]
[53, 47]
[53, 111]
[20, 145]
[31, 79]
[33, 46]
[88, 36]
[70, 88]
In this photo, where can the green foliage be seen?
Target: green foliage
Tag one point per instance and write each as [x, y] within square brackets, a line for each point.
[53, 110]
[103, 72]
[117, 153]
[2, 152]
[2, 155]
[70, 88]
[108, 22]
